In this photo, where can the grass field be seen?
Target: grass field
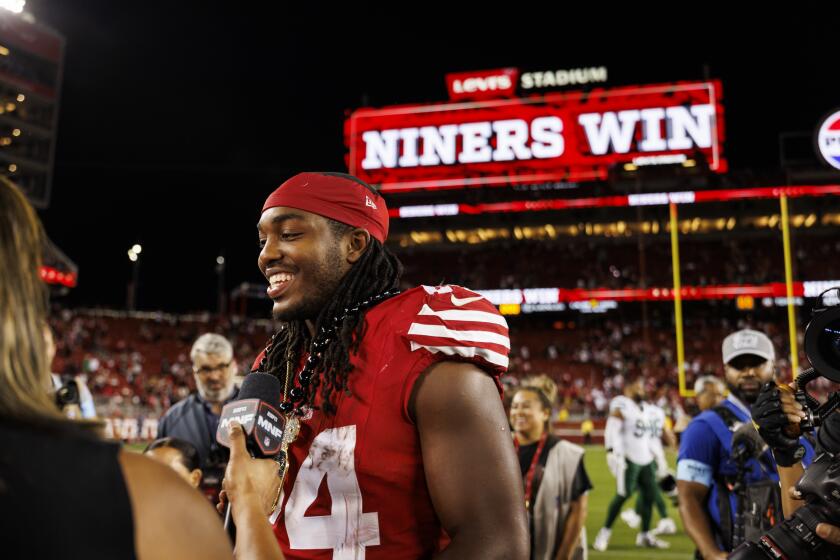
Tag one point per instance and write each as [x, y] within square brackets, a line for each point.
[623, 541]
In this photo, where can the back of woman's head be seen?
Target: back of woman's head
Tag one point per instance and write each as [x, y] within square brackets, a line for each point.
[24, 372]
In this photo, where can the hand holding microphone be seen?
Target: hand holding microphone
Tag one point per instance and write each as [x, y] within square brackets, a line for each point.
[254, 441]
[243, 478]
[237, 483]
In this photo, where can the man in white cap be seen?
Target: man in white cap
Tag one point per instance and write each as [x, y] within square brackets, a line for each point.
[716, 515]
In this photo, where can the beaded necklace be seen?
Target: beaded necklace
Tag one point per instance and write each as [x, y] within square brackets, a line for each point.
[293, 399]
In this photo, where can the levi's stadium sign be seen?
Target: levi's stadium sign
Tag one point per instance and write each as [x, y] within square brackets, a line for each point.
[570, 136]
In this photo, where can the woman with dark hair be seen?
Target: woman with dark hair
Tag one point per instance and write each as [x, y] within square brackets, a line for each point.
[556, 482]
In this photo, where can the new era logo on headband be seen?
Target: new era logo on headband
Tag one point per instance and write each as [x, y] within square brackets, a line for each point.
[336, 196]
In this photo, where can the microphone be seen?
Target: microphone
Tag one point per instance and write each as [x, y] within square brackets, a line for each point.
[256, 411]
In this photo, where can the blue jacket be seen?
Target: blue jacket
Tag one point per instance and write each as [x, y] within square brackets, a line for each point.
[191, 420]
[705, 449]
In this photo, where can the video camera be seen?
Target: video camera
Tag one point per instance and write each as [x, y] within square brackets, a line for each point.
[796, 538]
[67, 397]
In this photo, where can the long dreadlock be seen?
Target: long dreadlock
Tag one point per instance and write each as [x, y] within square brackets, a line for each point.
[377, 271]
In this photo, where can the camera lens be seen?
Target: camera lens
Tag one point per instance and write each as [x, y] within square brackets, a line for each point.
[822, 342]
[67, 394]
[830, 340]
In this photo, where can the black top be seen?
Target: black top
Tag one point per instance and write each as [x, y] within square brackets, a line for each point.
[62, 495]
[580, 484]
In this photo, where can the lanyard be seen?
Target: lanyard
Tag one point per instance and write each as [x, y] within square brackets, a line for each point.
[529, 478]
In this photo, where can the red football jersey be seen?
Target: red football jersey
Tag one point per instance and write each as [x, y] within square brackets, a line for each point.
[356, 487]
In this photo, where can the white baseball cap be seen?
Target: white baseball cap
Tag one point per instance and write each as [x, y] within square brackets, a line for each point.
[747, 341]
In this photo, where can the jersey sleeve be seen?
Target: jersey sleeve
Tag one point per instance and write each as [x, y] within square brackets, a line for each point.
[457, 324]
[451, 323]
[699, 453]
[618, 404]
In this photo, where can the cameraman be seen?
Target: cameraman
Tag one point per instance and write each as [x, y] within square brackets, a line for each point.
[71, 392]
[776, 412]
[717, 493]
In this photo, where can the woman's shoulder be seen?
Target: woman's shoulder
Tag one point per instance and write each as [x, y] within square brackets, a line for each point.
[172, 520]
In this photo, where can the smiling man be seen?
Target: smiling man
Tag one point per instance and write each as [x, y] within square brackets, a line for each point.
[715, 516]
[403, 448]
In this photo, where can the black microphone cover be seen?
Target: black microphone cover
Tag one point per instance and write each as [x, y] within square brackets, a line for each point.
[262, 386]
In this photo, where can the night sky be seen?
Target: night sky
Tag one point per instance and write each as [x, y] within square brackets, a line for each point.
[177, 119]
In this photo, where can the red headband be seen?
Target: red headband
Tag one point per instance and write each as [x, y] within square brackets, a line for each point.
[340, 197]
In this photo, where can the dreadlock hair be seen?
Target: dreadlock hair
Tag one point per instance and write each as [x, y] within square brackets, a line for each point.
[377, 271]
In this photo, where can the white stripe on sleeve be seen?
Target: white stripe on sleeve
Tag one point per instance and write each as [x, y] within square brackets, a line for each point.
[466, 352]
[440, 331]
[465, 315]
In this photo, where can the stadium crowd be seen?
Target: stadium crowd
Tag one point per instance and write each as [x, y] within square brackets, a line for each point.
[598, 263]
[139, 365]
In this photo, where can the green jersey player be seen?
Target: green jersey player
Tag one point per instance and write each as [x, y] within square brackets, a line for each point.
[631, 460]
[656, 418]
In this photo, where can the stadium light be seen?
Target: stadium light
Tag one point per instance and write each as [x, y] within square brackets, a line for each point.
[132, 256]
[137, 248]
[220, 260]
[15, 6]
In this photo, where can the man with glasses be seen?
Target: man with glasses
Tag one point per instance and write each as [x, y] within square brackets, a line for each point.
[196, 418]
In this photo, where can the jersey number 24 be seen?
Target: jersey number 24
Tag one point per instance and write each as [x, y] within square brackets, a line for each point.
[347, 530]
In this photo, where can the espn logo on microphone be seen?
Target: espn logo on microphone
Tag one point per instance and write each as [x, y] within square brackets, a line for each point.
[262, 424]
